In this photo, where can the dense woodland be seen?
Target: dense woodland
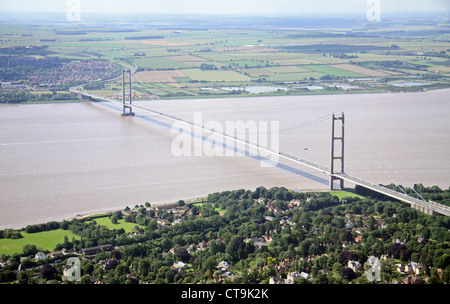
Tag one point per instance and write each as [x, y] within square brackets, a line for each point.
[247, 236]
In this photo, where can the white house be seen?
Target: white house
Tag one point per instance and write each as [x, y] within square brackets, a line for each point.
[413, 267]
[293, 276]
[223, 266]
[40, 256]
[305, 275]
[354, 265]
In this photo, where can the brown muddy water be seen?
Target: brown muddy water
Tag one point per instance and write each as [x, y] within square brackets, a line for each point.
[62, 160]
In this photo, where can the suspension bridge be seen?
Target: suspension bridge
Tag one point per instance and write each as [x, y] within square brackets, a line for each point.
[335, 171]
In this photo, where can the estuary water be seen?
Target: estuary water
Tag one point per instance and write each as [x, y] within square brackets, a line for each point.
[58, 161]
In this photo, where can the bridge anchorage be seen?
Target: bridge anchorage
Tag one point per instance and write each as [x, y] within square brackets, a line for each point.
[127, 109]
[337, 136]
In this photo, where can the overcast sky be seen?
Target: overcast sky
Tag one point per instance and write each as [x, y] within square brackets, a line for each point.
[223, 6]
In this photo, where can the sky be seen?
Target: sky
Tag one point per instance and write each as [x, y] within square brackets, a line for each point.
[276, 7]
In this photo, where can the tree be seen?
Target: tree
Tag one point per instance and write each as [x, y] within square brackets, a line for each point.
[30, 249]
[183, 256]
[348, 273]
[346, 256]
[143, 267]
[85, 279]
[48, 272]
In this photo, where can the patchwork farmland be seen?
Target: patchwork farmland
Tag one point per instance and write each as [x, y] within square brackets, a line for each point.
[185, 63]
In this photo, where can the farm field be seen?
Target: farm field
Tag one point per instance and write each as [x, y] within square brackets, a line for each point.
[158, 76]
[176, 61]
[46, 240]
[214, 76]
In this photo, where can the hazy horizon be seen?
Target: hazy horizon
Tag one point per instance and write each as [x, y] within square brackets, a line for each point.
[240, 7]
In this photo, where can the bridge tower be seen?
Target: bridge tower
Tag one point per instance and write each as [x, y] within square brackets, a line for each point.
[126, 72]
[337, 136]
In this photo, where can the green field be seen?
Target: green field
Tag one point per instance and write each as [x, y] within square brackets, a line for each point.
[106, 221]
[43, 240]
[332, 71]
[160, 63]
[344, 194]
[214, 75]
[283, 55]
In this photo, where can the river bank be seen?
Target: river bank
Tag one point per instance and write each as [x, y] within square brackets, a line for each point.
[63, 160]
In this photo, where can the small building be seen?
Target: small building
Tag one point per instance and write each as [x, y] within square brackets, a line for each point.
[413, 267]
[276, 280]
[223, 266]
[163, 222]
[96, 249]
[179, 265]
[354, 265]
[305, 275]
[293, 276]
[40, 256]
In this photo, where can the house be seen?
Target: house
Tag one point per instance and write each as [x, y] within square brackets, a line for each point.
[294, 203]
[421, 240]
[179, 265]
[305, 275]
[293, 276]
[413, 267]
[40, 256]
[203, 245]
[191, 248]
[275, 280]
[354, 265]
[177, 221]
[57, 253]
[269, 218]
[163, 222]
[398, 241]
[413, 279]
[400, 267]
[97, 249]
[258, 242]
[268, 239]
[223, 266]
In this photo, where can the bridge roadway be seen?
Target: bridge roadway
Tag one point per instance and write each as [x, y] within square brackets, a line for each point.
[424, 206]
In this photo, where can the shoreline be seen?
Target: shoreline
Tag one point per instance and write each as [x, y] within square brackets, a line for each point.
[91, 213]
[256, 95]
[112, 210]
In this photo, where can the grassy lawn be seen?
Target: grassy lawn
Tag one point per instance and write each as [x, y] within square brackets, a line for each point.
[43, 240]
[106, 221]
[344, 194]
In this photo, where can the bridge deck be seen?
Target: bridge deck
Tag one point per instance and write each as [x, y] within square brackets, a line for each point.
[435, 207]
[414, 202]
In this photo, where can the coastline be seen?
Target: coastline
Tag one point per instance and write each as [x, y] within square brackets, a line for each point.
[250, 95]
[97, 212]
